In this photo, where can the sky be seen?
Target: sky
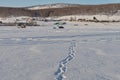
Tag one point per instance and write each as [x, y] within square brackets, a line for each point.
[25, 3]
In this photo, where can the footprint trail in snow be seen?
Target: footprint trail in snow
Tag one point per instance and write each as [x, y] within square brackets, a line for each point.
[60, 73]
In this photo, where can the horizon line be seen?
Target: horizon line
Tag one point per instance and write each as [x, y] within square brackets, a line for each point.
[60, 3]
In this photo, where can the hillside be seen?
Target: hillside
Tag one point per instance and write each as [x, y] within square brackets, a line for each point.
[82, 9]
[8, 11]
[60, 10]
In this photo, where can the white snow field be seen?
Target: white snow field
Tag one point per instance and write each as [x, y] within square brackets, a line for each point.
[80, 51]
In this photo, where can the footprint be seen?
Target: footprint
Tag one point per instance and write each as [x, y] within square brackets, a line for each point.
[29, 39]
[61, 77]
[16, 39]
[63, 63]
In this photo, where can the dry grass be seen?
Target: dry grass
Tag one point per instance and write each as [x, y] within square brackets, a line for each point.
[81, 9]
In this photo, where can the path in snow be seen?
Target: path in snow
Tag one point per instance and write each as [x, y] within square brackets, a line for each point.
[60, 73]
[55, 39]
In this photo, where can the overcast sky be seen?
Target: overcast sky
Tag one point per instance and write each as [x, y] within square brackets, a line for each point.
[24, 3]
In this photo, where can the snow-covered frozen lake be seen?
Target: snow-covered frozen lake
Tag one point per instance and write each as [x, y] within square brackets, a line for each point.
[82, 52]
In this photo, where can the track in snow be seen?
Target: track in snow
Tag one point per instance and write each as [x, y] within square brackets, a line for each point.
[60, 73]
[108, 36]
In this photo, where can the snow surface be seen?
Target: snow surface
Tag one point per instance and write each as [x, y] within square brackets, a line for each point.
[13, 19]
[77, 52]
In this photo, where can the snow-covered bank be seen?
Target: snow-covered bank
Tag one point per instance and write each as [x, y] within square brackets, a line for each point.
[90, 17]
[98, 17]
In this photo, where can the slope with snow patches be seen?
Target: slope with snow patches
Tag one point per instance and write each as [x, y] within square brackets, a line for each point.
[83, 52]
[48, 6]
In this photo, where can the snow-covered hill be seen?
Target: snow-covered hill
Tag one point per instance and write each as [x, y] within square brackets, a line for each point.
[47, 6]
